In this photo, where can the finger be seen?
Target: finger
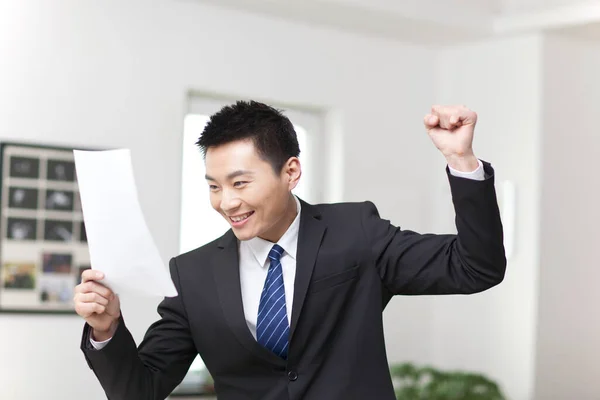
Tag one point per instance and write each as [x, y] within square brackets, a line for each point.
[91, 298]
[438, 110]
[454, 116]
[88, 286]
[468, 117]
[87, 309]
[447, 118]
[443, 113]
[431, 121]
[441, 109]
[454, 122]
[91, 275]
[462, 116]
[93, 287]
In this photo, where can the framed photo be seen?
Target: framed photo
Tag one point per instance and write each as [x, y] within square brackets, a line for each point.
[43, 245]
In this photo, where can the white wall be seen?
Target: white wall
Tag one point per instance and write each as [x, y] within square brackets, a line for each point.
[568, 347]
[511, 6]
[494, 331]
[115, 73]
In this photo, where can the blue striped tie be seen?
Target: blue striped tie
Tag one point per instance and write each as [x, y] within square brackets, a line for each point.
[272, 327]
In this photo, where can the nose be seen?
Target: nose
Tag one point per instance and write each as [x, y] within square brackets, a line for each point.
[229, 201]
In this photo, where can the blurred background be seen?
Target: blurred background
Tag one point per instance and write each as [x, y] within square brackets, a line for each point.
[356, 77]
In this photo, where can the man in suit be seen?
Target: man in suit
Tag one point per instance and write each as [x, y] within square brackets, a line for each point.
[288, 303]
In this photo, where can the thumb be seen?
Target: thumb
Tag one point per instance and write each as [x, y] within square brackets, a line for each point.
[431, 121]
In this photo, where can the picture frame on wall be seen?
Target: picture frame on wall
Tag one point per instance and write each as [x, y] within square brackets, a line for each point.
[43, 245]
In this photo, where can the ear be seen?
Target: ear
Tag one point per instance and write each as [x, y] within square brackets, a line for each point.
[292, 170]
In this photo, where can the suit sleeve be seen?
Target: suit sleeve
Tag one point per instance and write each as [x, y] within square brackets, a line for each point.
[153, 370]
[471, 261]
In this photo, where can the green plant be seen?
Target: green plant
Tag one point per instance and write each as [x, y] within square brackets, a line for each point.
[426, 383]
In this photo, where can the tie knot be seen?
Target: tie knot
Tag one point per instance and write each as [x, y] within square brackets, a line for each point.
[276, 253]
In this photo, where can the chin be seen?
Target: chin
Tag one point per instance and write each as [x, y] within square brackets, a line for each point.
[243, 236]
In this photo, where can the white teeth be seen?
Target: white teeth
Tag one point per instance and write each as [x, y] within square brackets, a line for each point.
[238, 219]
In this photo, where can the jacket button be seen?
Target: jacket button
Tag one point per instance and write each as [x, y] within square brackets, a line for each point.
[292, 375]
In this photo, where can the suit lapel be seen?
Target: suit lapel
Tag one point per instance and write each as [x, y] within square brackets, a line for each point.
[309, 240]
[226, 270]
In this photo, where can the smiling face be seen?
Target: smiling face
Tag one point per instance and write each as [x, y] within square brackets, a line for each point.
[248, 193]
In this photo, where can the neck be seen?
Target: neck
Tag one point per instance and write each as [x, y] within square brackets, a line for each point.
[274, 234]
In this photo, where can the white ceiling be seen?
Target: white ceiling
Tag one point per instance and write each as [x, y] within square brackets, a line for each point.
[432, 21]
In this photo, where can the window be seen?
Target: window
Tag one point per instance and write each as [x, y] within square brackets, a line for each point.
[200, 224]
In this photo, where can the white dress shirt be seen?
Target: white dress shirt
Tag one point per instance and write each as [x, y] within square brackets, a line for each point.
[254, 264]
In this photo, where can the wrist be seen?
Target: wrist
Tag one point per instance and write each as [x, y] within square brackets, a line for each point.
[463, 163]
[103, 335]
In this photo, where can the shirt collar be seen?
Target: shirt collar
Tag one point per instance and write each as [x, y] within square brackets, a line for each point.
[289, 241]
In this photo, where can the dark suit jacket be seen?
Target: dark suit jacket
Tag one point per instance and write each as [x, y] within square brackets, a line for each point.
[350, 262]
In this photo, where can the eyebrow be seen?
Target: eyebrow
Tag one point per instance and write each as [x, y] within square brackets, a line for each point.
[232, 175]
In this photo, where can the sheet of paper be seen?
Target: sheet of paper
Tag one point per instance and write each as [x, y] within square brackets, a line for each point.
[119, 240]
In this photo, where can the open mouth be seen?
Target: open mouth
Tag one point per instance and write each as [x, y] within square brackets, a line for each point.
[240, 219]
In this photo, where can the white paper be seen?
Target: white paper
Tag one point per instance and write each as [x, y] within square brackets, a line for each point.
[120, 243]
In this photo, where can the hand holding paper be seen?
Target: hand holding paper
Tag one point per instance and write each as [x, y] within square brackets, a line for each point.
[119, 241]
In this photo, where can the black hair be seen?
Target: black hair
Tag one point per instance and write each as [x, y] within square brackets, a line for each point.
[272, 132]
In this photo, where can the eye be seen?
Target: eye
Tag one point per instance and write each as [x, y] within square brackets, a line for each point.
[239, 184]
[213, 187]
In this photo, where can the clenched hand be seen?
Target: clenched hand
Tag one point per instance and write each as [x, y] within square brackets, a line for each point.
[97, 304]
